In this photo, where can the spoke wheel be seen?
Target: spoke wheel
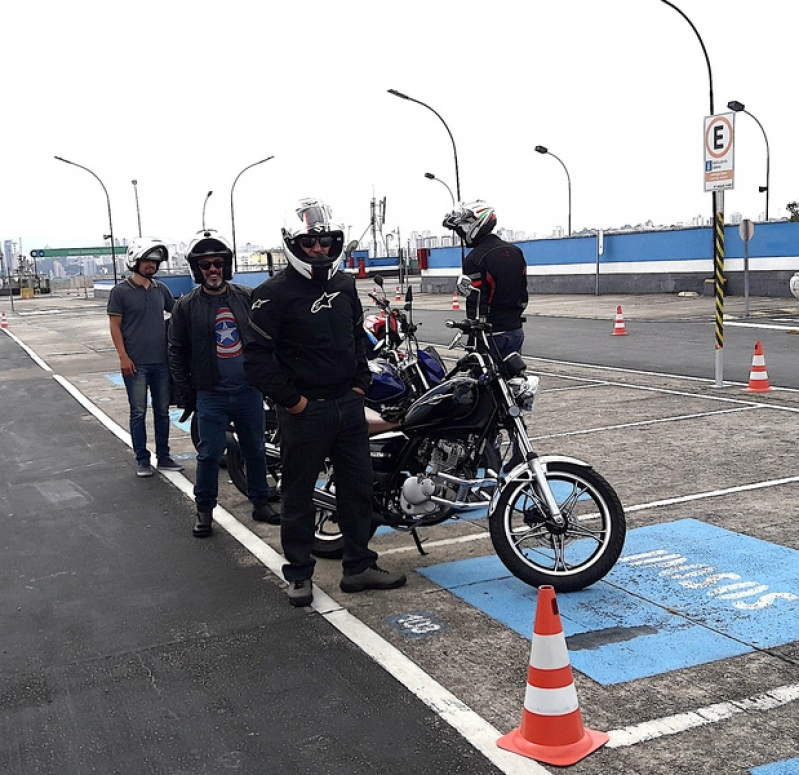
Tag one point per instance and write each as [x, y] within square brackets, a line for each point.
[571, 556]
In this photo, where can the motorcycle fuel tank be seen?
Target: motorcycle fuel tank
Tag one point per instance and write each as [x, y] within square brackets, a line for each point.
[451, 404]
[386, 384]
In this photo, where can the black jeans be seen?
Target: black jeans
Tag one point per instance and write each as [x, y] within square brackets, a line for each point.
[334, 428]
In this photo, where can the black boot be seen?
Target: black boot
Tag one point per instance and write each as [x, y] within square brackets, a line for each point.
[204, 517]
[263, 512]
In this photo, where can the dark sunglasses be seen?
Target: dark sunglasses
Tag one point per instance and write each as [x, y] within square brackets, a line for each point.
[310, 240]
[206, 265]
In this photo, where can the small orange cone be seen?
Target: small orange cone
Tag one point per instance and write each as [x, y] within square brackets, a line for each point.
[552, 726]
[4, 324]
[398, 294]
[455, 303]
[619, 329]
[758, 376]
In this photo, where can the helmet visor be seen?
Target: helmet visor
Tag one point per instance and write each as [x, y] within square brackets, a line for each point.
[314, 217]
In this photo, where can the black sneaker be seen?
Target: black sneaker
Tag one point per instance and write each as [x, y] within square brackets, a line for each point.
[167, 464]
[144, 469]
[372, 578]
[300, 592]
[263, 512]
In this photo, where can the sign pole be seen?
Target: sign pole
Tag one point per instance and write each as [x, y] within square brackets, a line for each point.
[719, 175]
[718, 263]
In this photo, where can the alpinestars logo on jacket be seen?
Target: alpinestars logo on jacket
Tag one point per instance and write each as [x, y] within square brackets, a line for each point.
[325, 301]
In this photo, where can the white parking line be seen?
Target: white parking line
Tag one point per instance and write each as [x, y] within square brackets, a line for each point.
[710, 714]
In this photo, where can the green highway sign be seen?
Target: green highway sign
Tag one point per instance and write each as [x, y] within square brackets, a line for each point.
[66, 252]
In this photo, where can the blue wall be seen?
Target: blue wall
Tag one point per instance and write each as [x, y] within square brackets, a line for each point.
[645, 262]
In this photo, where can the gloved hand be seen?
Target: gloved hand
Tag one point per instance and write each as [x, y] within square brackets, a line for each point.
[189, 406]
[464, 285]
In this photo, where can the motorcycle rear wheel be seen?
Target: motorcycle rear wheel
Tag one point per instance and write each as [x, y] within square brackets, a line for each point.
[571, 557]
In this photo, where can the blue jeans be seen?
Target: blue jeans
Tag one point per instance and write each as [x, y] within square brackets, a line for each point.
[509, 342]
[215, 410]
[154, 376]
[334, 428]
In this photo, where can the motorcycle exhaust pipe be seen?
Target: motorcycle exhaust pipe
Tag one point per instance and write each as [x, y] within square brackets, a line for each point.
[324, 500]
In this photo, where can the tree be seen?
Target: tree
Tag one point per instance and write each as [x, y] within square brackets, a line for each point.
[793, 209]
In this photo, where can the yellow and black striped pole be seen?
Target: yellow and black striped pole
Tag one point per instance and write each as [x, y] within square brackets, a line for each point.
[718, 273]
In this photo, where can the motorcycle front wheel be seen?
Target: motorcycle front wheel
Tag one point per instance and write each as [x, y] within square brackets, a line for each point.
[571, 556]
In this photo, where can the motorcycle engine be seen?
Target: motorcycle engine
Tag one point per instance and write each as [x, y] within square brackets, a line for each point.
[417, 491]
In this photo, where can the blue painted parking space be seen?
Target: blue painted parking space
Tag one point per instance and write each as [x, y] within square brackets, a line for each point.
[786, 767]
[683, 593]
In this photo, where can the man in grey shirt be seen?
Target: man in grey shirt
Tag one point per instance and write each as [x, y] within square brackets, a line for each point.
[136, 312]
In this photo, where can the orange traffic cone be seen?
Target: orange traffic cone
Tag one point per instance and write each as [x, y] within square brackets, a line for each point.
[398, 294]
[619, 329]
[455, 303]
[758, 376]
[4, 323]
[552, 726]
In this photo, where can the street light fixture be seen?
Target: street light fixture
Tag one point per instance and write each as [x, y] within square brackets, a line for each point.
[739, 107]
[546, 151]
[718, 226]
[108, 201]
[232, 217]
[207, 197]
[454, 149]
[138, 215]
[431, 176]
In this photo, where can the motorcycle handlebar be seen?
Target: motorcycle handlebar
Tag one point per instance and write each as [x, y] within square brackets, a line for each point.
[467, 325]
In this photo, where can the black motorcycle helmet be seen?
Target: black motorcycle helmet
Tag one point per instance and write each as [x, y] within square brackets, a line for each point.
[208, 244]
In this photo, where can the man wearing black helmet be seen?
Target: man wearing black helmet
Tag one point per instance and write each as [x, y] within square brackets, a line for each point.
[136, 310]
[307, 354]
[209, 328]
[497, 269]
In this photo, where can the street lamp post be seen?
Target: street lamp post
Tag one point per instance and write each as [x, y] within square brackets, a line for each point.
[108, 201]
[232, 217]
[431, 176]
[718, 226]
[739, 107]
[136, 193]
[454, 149]
[542, 149]
[207, 197]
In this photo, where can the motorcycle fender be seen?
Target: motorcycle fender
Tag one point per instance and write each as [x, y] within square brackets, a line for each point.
[519, 470]
[522, 471]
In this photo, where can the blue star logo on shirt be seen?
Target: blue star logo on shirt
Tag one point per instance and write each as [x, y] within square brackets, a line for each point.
[325, 301]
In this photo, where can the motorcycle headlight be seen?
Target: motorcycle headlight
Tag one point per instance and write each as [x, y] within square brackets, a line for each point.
[524, 390]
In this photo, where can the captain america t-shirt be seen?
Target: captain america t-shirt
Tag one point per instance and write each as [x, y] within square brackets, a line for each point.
[229, 349]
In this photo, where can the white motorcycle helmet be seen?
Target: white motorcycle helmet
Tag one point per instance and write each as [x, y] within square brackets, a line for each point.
[145, 248]
[312, 219]
[209, 244]
[471, 222]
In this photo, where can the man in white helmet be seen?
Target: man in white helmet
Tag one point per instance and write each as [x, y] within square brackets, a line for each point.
[307, 354]
[137, 308]
[497, 269]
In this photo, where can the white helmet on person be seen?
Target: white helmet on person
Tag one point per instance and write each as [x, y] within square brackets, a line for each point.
[209, 244]
[312, 219]
[145, 248]
[472, 221]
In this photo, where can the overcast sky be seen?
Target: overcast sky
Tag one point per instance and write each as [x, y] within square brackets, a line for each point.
[183, 94]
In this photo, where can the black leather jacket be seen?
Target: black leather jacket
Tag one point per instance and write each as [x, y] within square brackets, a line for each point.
[307, 338]
[192, 340]
[499, 270]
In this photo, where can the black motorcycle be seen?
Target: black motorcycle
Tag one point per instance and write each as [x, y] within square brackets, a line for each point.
[552, 519]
